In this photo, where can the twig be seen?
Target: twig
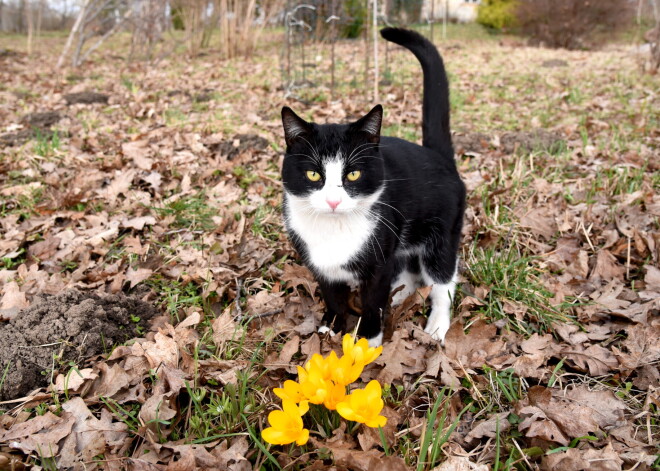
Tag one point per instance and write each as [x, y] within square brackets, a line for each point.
[267, 313]
[628, 261]
[237, 299]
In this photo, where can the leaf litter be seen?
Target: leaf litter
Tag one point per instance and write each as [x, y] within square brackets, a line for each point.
[175, 202]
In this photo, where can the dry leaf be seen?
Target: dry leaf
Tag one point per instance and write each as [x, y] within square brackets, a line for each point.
[137, 276]
[224, 327]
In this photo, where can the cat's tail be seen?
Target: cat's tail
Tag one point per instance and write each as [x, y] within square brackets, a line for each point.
[435, 106]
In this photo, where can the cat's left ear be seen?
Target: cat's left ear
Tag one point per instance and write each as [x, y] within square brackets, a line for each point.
[370, 123]
[294, 125]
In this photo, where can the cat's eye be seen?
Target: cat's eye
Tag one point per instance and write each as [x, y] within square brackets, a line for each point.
[313, 176]
[354, 175]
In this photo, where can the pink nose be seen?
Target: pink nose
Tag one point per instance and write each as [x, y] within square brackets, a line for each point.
[333, 204]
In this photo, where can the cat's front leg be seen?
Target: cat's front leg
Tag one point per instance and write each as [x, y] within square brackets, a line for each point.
[375, 294]
[335, 295]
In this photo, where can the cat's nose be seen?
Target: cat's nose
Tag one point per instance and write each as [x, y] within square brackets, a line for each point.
[333, 203]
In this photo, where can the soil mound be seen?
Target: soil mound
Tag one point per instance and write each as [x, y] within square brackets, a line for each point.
[538, 139]
[238, 144]
[57, 330]
[86, 98]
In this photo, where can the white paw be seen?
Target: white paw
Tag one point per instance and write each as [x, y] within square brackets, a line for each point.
[324, 329]
[376, 341]
[437, 328]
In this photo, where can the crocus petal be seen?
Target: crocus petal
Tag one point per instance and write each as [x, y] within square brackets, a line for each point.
[378, 421]
[278, 419]
[303, 437]
[373, 390]
[291, 390]
[346, 411]
[275, 436]
[347, 344]
[336, 394]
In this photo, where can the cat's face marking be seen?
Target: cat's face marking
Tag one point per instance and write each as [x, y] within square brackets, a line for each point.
[334, 169]
[334, 197]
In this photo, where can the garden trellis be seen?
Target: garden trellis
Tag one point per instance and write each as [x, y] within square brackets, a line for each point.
[313, 29]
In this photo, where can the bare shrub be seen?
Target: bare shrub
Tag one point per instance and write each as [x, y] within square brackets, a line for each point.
[572, 24]
[240, 23]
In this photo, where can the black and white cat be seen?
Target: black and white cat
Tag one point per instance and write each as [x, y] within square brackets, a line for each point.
[378, 212]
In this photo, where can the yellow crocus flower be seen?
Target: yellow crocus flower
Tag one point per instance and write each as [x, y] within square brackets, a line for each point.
[364, 406]
[314, 388]
[336, 394]
[347, 370]
[291, 390]
[287, 425]
[360, 351]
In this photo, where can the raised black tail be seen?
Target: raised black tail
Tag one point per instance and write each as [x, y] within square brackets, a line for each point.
[435, 106]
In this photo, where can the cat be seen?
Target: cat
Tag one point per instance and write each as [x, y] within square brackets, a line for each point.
[377, 212]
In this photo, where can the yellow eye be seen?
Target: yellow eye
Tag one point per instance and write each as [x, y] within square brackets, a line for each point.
[313, 176]
[354, 175]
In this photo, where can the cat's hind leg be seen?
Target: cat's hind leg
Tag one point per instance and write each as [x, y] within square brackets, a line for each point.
[442, 276]
[409, 277]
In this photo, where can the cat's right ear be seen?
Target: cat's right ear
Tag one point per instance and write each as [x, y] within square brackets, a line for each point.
[294, 125]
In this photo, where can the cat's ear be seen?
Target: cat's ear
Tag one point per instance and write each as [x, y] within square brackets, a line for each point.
[294, 125]
[370, 123]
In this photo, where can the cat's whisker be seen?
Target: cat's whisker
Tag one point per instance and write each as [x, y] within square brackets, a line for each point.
[313, 149]
[390, 206]
[359, 147]
[379, 246]
[380, 218]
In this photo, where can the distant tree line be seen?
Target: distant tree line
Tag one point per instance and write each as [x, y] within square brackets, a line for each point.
[16, 15]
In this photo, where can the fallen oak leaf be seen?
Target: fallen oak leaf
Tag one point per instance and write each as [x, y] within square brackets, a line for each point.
[41, 434]
[137, 276]
[73, 380]
[460, 463]
[89, 436]
[598, 361]
[297, 275]
[138, 223]
[224, 327]
[13, 298]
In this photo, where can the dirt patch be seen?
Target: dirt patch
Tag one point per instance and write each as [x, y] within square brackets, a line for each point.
[554, 63]
[42, 120]
[539, 139]
[56, 330]
[86, 98]
[238, 144]
[471, 142]
[34, 122]
[16, 138]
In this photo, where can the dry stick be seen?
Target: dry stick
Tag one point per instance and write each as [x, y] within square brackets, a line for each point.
[74, 31]
[80, 60]
[366, 55]
[30, 24]
[375, 36]
[628, 261]
[333, 18]
[237, 300]
[268, 313]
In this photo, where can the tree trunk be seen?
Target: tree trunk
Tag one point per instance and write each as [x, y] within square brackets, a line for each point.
[30, 25]
[74, 31]
[20, 26]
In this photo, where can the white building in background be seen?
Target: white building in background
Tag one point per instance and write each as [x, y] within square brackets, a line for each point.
[461, 11]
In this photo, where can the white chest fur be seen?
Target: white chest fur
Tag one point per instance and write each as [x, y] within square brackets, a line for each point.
[332, 240]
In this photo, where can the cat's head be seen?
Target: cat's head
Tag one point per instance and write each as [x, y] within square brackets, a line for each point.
[333, 168]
